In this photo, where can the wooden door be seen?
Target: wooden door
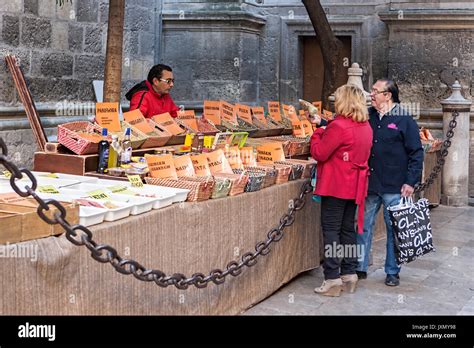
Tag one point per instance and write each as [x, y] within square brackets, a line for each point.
[313, 66]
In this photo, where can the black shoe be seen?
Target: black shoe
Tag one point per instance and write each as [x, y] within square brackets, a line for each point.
[392, 280]
[361, 275]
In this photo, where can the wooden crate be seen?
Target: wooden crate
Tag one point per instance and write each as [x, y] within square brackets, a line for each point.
[19, 221]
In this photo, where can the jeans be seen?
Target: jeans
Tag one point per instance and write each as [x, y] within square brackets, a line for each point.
[373, 203]
[340, 242]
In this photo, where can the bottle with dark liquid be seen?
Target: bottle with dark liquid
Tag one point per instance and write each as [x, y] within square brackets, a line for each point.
[103, 153]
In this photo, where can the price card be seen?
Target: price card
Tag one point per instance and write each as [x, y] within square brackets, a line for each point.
[121, 190]
[270, 153]
[136, 119]
[188, 140]
[307, 127]
[98, 194]
[107, 116]
[211, 111]
[298, 130]
[290, 112]
[208, 141]
[243, 111]
[48, 189]
[184, 166]
[51, 175]
[188, 117]
[161, 166]
[228, 112]
[274, 110]
[259, 113]
[135, 180]
[168, 123]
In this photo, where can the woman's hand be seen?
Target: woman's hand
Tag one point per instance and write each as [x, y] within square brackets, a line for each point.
[313, 111]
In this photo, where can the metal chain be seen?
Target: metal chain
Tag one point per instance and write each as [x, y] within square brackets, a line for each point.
[441, 158]
[81, 236]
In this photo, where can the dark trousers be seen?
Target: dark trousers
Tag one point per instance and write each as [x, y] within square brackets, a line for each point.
[340, 240]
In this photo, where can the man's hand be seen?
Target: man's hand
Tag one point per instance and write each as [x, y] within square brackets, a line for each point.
[407, 190]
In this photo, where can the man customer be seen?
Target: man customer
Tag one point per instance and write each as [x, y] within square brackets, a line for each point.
[396, 163]
[342, 151]
[152, 95]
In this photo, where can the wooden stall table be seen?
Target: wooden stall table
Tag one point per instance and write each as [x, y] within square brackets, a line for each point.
[183, 238]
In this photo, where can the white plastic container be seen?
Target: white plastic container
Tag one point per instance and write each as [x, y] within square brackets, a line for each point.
[180, 194]
[80, 178]
[122, 211]
[89, 216]
[139, 205]
[161, 200]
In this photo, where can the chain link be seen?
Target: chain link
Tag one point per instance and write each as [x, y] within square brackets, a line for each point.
[81, 236]
[441, 157]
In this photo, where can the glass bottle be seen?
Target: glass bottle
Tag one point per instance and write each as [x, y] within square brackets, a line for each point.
[103, 153]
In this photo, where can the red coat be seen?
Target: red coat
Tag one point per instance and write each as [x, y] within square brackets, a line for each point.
[342, 151]
[153, 103]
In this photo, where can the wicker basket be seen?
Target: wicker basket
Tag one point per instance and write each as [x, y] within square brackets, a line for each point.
[293, 146]
[307, 164]
[69, 137]
[270, 174]
[297, 169]
[238, 182]
[199, 191]
[220, 186]
[255, 182]
[282, 172]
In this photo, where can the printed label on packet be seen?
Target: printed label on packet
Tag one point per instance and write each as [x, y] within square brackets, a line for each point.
[51, 175]
[135, 180]
[121, 190]
[98, 194]
[48, 189]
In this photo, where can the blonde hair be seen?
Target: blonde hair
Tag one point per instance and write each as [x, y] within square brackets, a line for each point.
[350, 101]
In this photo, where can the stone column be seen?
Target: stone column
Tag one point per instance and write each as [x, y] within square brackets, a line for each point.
[355, 78]
[455, 180]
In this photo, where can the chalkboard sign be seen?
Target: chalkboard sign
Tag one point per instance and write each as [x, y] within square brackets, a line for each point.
[412, 230]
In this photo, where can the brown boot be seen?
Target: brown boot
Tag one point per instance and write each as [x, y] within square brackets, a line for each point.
[349, 282]
[330, 287]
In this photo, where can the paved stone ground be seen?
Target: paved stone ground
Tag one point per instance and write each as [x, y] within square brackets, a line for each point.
[440, 283]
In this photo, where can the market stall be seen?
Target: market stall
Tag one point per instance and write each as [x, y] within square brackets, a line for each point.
[185, 238]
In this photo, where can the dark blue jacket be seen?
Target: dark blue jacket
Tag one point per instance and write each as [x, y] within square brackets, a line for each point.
[397, 155]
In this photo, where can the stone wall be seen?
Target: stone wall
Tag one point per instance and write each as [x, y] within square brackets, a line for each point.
[61, 51]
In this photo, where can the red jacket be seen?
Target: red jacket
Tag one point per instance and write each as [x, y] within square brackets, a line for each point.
[153, 103]
[342, 151]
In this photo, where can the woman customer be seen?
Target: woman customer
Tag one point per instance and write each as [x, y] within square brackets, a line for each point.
[342, 150]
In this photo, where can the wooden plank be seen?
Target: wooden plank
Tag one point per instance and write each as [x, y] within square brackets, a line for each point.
[27, 100]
